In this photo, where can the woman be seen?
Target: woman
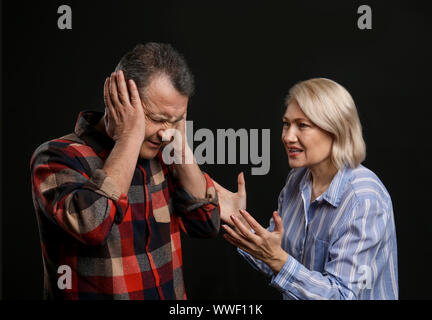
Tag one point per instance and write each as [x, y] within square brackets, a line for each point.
[333, 235]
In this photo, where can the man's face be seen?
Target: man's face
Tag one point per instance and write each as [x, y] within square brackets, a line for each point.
[164, 108]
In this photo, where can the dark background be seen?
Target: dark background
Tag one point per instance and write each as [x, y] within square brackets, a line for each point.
[245, 56]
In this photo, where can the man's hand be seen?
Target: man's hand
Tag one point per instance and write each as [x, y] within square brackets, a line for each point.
[178, 140]
[125, 124]
[124, 114]
[230, 203]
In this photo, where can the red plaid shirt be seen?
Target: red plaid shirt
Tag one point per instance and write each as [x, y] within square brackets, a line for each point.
[117, 246]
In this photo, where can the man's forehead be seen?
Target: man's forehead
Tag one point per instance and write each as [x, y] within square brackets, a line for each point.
[164, 113]
[161, 99]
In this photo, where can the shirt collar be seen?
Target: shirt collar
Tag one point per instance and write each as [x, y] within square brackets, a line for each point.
[333, 194]
[85, 129]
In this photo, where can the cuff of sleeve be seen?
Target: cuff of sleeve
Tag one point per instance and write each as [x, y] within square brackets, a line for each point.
[189, 202]
[106, 186]
[122, 205]
[285, 275]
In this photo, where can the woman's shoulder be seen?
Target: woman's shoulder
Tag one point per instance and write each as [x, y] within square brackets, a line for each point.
[366, 184]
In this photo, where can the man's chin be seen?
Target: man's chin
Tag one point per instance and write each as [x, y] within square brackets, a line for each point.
[147, 153]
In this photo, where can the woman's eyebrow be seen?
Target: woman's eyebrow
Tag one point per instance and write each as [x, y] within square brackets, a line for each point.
[296, 119]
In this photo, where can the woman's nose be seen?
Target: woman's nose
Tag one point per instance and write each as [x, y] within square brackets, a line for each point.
[289, 136]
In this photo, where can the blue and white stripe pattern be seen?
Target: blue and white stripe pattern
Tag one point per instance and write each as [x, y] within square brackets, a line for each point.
[342, 245]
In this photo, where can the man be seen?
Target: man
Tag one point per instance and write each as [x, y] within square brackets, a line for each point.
[109, 209]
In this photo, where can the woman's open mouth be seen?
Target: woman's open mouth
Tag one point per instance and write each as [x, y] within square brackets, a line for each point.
[294, 152]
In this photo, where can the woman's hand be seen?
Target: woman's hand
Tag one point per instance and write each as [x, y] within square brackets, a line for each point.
[263, 244]
[230, 203]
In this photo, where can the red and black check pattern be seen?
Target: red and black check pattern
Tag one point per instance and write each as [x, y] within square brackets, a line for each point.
[118, 246]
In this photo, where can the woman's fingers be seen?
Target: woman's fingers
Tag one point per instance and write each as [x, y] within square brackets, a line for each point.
[259, 230]
[235, 236]
[278, 222]
[246, 232]
[235, 243]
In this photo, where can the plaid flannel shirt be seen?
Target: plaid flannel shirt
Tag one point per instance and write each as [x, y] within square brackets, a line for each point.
[117, 246]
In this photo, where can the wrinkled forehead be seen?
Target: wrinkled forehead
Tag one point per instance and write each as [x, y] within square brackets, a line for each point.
[161, 99]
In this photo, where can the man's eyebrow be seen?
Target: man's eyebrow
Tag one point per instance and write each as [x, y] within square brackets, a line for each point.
[165, 118]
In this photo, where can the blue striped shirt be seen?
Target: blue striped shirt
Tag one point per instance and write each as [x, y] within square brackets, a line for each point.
[342, 245]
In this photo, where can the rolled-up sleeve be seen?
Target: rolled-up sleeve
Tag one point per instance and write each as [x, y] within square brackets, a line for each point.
[84, 205]
[200, 217]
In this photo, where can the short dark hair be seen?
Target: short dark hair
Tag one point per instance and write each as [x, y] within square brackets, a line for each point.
[152, 59]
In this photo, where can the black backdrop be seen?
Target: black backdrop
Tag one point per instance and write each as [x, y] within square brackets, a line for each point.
[245, 55]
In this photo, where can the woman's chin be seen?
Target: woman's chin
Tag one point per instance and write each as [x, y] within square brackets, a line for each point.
[295, 164]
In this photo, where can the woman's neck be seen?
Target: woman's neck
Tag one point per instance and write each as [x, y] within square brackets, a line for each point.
[322, 176]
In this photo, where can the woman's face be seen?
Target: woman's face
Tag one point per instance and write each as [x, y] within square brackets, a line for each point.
[306, 144]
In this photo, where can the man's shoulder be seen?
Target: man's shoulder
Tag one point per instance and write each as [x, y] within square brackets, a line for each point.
[68, 146]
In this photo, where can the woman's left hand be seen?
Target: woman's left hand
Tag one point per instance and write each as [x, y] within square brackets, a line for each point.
[263, 244]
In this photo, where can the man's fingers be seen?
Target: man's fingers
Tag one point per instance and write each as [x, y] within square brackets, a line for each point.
[134, 94]
[259, 230]
[123, 93]
[217, 186]
[241, 184]
[107, 99]
[113, 92]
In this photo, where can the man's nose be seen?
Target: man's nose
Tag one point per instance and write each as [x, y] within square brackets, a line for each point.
[166, 133]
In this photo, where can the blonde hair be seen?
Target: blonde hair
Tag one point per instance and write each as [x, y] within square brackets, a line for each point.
[330, 106]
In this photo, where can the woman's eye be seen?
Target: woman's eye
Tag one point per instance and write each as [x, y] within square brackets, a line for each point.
[303, 125]
[285, 124]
